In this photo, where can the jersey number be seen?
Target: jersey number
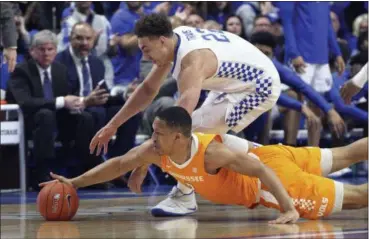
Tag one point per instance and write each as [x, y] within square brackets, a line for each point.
[216, 35]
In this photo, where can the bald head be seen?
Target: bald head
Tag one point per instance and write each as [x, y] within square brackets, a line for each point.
[82, 39]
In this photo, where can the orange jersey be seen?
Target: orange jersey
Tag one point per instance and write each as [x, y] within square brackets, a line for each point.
[226, 187]
[298, 169]
[300, 173]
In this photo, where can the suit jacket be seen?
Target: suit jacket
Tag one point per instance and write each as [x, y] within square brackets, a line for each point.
[97, 74]
[25, 87]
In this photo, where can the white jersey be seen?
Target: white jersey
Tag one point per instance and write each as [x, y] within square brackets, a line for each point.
[241, 66]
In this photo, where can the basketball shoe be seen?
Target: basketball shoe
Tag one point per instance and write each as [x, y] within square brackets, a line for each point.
[176, 204]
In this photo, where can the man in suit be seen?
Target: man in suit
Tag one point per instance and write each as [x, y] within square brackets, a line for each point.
[85, 71]
[40, 87]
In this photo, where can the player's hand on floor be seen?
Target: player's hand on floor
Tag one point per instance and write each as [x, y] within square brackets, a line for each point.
[287, 217]
[57, 178]
[102, 138]
[136, 179]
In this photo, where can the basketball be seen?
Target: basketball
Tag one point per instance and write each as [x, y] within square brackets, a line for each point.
[57, 202]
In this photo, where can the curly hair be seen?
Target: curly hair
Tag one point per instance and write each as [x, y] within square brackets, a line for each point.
[154, 25]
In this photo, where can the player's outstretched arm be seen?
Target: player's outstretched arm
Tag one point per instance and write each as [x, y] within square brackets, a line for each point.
[113, 168]
[139, 100]
[219, 155]
[193, 73]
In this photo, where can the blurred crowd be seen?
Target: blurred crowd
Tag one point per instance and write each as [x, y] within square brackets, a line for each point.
[76, 64]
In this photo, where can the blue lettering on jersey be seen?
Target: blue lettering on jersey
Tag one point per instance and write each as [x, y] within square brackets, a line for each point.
[189, 35]
[216, 35]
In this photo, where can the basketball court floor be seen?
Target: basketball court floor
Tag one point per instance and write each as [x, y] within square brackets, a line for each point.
[122, 214]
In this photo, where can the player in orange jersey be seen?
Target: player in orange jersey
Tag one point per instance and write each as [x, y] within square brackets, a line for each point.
[228, 170]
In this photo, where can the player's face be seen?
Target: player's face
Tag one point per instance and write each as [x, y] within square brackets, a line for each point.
[154, 49]
[163, 137]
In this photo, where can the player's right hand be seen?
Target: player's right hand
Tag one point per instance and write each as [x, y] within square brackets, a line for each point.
[102, 138]
[290, 216]
[57, 178]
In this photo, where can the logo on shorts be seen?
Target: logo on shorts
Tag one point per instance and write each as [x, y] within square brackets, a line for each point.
[323, 207]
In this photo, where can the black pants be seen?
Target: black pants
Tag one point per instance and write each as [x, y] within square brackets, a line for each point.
[75, 132]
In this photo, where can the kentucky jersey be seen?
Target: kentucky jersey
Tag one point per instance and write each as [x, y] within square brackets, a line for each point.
[241, 66]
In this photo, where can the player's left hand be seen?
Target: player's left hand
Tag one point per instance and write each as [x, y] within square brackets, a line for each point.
[102, 138]
[290, 216]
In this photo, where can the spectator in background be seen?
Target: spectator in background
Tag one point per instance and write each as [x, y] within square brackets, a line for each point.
[194, 20]
[34, 17]
[8, 35]
[24, 38]
[360, 25]
[234, 25]
[212, 25]
[249, 10]
[262, 24]
[127, 62]
[84, 74]
[265, 42]
[40, 87]
[309, 37]
[83, 13]
[333, 95]
[219, 11]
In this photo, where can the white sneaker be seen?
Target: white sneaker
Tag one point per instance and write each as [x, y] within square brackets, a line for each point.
[176, 204]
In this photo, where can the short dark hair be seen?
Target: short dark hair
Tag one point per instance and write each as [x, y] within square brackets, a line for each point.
[154, 25]
[263, 38]
[177, 118]
[261, 16]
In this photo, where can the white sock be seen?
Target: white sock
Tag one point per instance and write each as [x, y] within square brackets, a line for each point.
[185, 189]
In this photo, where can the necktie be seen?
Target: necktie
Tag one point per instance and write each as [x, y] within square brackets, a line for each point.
[86, 78]
[47, 87]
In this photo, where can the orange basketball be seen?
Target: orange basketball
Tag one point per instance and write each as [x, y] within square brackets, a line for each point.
[57, 202]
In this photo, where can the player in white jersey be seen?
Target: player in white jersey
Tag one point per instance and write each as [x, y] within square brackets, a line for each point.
[243, 84]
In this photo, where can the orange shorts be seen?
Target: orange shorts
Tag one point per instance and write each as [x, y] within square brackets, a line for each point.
[300, 171]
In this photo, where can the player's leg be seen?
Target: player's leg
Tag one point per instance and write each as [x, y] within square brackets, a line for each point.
[355, 196]
[253, 105]
[343, 157]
